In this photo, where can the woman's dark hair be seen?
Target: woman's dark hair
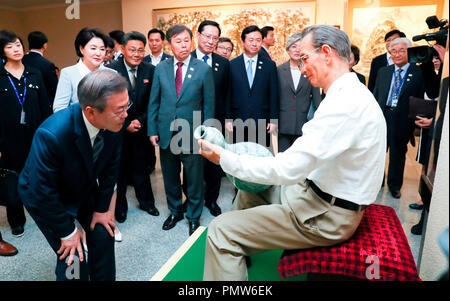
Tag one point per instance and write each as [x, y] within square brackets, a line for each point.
[133, 35]
[211, 23]
[85, 35]
[177, 29]
[355, 51]
[6, 37]
[248, 30]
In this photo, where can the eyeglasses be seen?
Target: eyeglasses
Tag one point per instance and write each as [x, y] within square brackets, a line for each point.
[227, 49]
[209, 37]
[133, 51]
[303, 58]
[401, 51]
[122, 111]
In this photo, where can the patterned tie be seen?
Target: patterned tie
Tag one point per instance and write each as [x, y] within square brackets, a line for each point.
[98, 146]
[205, 59]
[250, 72]
[179, 78]
[392, 102]
[133, 78]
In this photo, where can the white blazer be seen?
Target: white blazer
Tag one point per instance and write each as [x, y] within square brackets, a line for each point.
[66, 91]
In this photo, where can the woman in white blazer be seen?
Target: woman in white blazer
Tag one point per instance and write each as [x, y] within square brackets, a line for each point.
[90, 47]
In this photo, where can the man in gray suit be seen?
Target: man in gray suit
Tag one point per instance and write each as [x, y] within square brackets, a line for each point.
[181, 86]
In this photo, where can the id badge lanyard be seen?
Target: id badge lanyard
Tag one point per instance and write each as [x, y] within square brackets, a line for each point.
[21, 100]
[397, 90]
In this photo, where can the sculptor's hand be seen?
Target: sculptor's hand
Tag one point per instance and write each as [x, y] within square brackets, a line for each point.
[210, 151]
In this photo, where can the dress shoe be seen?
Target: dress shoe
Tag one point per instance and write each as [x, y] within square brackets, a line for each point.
[17, 231]
[416, 206]
[7, 249]
[192, 227]
[417, 229]
[171, 221]
[396, 194]
[214, 209]
[121, 217]
[151, 210]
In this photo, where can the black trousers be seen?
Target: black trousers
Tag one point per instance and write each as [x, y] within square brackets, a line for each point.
[134, 171]
[285, 141]
[397, 144]
[100, 266]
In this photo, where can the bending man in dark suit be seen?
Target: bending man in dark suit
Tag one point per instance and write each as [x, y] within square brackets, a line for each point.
[71, 172]
[134, 158]
[207, 37]
[384, 59]
[182, 85]
[253, 92]
[394, 85]
[35, 58]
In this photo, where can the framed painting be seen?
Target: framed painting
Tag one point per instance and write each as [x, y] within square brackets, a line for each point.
[287, 17]
[369, 21]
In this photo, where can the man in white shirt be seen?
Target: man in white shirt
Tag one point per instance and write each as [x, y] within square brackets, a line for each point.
[327, 178]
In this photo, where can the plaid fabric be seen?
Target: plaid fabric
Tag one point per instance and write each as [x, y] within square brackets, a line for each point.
[378, 250]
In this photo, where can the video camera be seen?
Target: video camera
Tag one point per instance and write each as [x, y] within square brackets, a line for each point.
[424, 54]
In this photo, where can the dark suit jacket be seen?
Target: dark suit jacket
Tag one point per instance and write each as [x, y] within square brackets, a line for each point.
[361, 77]
[259, 102]
[148, 59]
[377, 63]
[197, 94]
[294, 102]
[59, 176]
[48, 71]
[412, 86]
[263, 53]
[221, 70]
[140, 96]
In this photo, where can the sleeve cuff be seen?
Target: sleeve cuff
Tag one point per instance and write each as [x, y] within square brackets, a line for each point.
[70, 235]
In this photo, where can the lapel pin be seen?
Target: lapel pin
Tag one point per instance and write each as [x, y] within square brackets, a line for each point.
[217, 64]
[408, 80]
[216, 69]
[189, 76]
[31, 86]
[259, 67]
[192, 69]
[260, 62]
[410, 74]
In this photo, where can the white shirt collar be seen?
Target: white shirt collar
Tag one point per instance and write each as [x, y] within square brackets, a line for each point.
[186, 61]
[84, 70]
[92, 130]
[35, 51]
[404, 67]
[128, 67]
[200, 55]
[157, 57]
[265, 48]
[246, 58]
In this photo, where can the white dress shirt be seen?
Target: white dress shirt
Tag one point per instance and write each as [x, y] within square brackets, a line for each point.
[129, 72]
[156, 59]
[342, 150]
[184, 68]
[389, 58]
[35, 51]
[405, 70]
[246, 62]
[200, 56]
[296, 75]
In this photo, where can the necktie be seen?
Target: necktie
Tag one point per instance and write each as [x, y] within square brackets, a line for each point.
[98, 146]
[250, 72]
[205, 59]
[395, 89]
[133, 77]
[179, 78]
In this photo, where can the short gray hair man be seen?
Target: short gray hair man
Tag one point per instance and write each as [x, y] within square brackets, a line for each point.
[96, 87]
[329, 35]
[405, 41]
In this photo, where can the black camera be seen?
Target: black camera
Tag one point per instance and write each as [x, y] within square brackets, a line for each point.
[424, 54]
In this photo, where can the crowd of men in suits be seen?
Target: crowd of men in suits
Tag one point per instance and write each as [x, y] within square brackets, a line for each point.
[163, 88]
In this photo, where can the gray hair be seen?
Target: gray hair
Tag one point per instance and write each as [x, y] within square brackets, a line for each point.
[96, 87]
[331, 36]
[405, 41]
[294, 38]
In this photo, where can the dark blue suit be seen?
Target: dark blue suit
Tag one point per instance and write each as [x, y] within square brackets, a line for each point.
[60, 183]
[258, 102]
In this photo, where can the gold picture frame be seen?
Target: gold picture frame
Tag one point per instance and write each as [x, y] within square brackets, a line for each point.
[287, 17]
[369, 20]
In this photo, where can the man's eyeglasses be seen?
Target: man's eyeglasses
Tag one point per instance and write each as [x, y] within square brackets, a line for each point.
[401, 51]
[303, 58]
[122, 111]
[139, 51]
[227, 49]
[209, 37]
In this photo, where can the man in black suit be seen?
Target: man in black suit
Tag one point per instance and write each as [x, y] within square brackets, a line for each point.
[267, 41]
[207, 37]
[156, 39]
[384, 59]
[394, 85]
[70, 173]
[38, 44]
[252, 110]
[117, 36]
[134, 158]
